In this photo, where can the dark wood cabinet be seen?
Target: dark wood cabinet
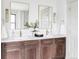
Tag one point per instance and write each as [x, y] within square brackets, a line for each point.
[12, 51]
[60, 48]
[34, 49]
[31, 49]
[48, 49]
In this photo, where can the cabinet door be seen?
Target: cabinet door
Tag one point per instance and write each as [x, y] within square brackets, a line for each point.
[12, 51]
[31, 49]
[48, 49]
[60, 48]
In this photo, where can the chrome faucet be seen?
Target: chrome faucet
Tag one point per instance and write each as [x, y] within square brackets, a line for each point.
[47, 32]
[20, 33]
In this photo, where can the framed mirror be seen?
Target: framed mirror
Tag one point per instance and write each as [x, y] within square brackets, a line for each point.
[45, 17]
[19, 14]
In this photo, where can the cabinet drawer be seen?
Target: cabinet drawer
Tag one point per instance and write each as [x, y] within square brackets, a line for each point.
[47, 41]
[13, 44]
[60, 40]
[35, 42]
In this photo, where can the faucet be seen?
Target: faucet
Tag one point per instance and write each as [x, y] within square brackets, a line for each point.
[20, 33]
[47, 32]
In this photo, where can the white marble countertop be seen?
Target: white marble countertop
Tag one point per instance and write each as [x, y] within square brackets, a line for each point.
[14, 39]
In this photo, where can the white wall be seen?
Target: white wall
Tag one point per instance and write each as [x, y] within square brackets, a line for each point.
[61, 8]
[72, 30]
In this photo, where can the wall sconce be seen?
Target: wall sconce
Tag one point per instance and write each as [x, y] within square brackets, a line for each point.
[7, 15]
[54, 19]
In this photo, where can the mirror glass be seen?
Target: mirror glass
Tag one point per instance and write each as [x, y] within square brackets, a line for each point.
[19, 14]
[45, 19]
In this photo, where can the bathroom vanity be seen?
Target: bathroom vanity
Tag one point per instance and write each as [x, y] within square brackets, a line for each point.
[34, 48]
[21, 19]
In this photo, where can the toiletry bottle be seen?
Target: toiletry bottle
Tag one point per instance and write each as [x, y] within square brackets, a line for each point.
[46, 32]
